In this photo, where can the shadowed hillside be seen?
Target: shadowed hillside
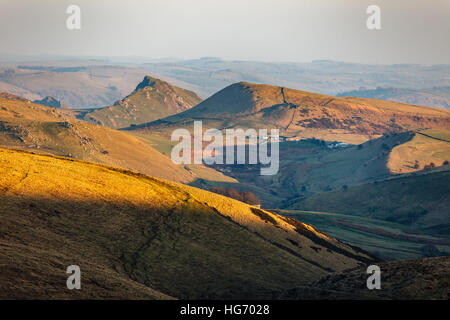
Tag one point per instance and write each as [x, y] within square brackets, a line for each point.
[124, 228]
[407, 280]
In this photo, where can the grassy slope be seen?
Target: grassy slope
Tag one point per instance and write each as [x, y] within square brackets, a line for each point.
[182, 241]
[153, 99]
[385, 239]
[25, 125]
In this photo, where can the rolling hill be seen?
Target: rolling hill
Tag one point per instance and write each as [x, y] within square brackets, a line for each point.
[312, 166]
[438, 97]
[151, 100]
[300, 114]
[28, 126]
[135, 236]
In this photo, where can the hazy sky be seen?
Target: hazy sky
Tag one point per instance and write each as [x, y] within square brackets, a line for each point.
[413, 31]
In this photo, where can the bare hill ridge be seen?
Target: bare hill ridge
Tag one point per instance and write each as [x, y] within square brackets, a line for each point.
[304, 115]
[151, 100]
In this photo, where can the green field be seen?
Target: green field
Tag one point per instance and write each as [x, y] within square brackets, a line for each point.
[365, 233]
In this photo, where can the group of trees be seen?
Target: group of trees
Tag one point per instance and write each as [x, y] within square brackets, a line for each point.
[429, 166]
[244, 196]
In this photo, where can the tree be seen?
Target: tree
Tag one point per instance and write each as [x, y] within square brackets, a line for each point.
[250, 198]
[245, 196]
[429, 166]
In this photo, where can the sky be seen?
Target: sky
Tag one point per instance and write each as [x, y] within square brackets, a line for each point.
[412, 31]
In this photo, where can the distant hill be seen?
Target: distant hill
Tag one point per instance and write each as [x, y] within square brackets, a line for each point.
[208, 75]
[438, 97]
[135, 236]
[28, 126]
[74, 85]
[51, 102]
[300, 114]
[83, 83]
[151, 100]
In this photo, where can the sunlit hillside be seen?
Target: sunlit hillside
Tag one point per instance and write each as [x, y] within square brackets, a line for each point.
[426, 149]
[178, 240]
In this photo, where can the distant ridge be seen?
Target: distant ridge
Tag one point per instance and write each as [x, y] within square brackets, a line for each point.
[438, 97]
